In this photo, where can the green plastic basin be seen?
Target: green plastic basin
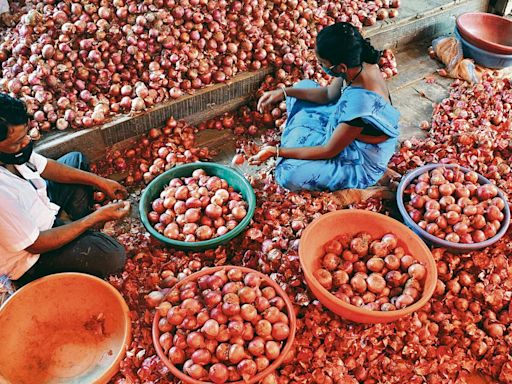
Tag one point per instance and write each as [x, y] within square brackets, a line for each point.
[234, 178]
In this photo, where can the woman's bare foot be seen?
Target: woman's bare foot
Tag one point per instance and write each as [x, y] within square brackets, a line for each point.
[390, 179]
[353, 196]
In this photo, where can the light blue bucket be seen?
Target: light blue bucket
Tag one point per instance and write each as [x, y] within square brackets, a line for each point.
[482, 57]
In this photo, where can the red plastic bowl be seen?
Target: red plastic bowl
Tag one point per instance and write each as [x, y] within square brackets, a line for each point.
[352, 221]
[271, 368]
[489, 32]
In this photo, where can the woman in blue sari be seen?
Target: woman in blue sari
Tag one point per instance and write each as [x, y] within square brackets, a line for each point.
[335, 137]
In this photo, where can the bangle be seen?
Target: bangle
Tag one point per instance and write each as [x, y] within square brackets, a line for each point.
[277, 151]
[283, 88]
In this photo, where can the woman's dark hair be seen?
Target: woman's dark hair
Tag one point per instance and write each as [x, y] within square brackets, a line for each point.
[342, 43]
[12, 112]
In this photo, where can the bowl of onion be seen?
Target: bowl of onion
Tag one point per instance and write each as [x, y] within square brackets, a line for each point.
[366, 267]
[224, 324]
[453, 207]
[64, 328]
[197, 206]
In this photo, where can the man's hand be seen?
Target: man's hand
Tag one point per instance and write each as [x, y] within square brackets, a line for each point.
[264, 154]
[112, 188]
[269, 98]
[113, 211]
[62, 173]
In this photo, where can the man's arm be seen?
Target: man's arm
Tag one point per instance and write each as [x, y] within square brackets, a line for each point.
[55, 238]
[62, 173]
[65, 174]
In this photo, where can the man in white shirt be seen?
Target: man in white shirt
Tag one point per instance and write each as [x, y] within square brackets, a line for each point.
[33, 241]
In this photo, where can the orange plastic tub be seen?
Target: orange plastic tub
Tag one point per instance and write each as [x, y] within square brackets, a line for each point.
[66, 328]
[352, 221]
[271, 368]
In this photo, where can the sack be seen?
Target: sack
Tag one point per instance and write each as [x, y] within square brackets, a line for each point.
[449, 51]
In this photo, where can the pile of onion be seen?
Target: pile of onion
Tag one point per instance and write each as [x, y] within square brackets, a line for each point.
[388, 64]
[224, 327]
[454, 206]
[375, 274]
[197, 208]
[77, 65]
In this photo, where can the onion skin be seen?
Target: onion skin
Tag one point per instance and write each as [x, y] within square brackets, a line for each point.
[442, 325]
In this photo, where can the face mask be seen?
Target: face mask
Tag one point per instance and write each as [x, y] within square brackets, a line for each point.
[330, 72]
[18, 158]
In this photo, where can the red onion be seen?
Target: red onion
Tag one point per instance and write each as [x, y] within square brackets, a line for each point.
[218, 373]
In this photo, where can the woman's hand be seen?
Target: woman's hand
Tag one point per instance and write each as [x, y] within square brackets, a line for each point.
[264, 154]
[269, 98]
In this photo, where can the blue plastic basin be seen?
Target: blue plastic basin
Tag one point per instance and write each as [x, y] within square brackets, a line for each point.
[436, 241]
[482, 57]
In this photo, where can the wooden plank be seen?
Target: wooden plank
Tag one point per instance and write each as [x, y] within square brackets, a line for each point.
[222, 142]
[415, 103]
[408, 10]
[413, 109]
[413, 65]
[88, 141]
[436, 91]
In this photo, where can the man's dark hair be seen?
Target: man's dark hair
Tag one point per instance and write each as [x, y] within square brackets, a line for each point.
[12, 112]
[342, 43]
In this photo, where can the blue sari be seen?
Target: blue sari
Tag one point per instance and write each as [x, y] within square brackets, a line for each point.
[359, 165]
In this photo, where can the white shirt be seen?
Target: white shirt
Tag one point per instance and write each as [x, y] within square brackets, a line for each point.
[4, 6]
[25, 211]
